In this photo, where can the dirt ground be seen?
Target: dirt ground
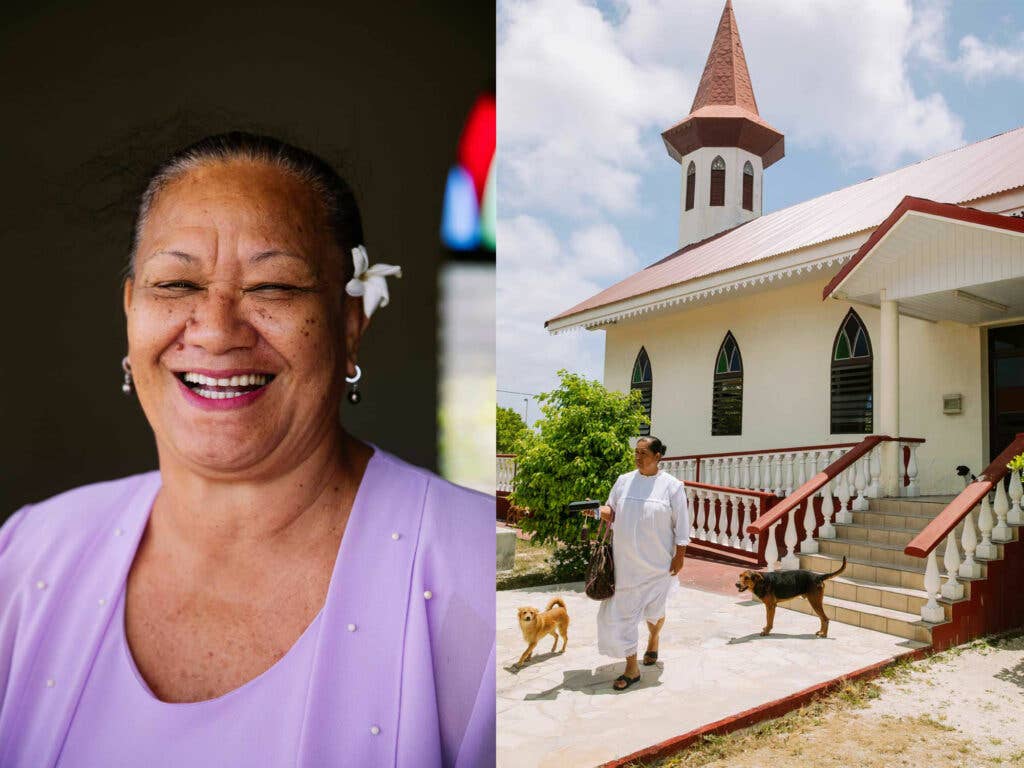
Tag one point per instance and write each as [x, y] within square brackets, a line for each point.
[963, 708]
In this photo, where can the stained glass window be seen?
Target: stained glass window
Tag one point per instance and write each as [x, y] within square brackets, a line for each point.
[727, 393]
[852, 408]
[643, 380]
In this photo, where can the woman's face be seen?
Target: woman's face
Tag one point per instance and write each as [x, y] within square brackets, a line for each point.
[239, 331]
[646, 461]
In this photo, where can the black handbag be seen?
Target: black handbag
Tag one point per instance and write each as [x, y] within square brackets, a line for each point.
[601, 569]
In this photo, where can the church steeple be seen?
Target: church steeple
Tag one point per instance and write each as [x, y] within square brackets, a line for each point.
[723, 145]
[726, 79]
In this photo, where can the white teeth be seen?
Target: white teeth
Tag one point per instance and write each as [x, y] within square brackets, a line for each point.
[210, 394]
[234, 381]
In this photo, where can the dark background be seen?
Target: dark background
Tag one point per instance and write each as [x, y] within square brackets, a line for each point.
[96, 94]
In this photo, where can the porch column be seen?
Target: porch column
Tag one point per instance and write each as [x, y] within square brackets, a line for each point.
[889, 397]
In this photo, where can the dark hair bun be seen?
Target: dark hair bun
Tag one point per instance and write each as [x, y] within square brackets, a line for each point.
[656, 445]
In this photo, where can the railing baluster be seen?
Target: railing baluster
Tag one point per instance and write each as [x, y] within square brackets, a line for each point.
[932, 611]
[843, 515]
[690, 496]
[860, 503]
[1002, 531]
[723, 521]
[875, 464]
[788, 461]
[952, 589]
[809, 545]
[912, 489]
[745, 472]
[969, 568]
[1015, 515]
[777, 462]
[986, 548]
[771, 551]
[734, 538]
[790, 561]
[701, 516]
[745, 504]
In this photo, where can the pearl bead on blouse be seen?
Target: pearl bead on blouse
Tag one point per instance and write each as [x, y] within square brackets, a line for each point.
[375, 730]
[428, 594]
[396, 536]
[351, 627]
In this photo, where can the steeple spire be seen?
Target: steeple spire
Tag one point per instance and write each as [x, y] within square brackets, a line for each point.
[726, 79]
[724, 111]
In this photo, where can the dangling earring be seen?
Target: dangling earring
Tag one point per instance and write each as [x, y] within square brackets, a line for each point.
[127, 368]
[353, 388]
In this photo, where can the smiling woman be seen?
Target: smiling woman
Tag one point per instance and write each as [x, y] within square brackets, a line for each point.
[279, 592]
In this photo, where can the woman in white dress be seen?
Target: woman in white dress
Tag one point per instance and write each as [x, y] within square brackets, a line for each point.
[650, 520]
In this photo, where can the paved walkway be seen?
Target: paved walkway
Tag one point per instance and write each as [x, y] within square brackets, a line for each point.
[560, 709]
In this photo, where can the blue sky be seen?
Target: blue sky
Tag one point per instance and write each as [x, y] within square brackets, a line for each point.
[587, 193]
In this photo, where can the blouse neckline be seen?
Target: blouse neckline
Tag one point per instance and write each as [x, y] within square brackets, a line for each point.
[310, 634]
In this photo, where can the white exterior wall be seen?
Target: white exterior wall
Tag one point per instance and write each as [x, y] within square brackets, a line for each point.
[704, 220]
[785, 337]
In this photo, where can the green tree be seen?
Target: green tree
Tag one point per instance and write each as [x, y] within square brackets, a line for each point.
[510, 428]
[581, 445]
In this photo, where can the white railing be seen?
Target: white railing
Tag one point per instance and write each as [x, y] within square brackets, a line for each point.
[505, 472]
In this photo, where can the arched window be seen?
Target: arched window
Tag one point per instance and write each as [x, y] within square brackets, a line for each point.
[748, 187]
[718, 181]
[852, 398]
[642, 379]
[691, 185]
[727, 396]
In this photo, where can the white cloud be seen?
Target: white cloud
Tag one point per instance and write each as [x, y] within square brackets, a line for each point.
[977, 59]
[572, 108]
[538, 278]
[831, 74]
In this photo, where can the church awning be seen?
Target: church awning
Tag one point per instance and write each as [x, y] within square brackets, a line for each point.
[940, 261]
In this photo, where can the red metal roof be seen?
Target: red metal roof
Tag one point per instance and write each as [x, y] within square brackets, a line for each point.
[960, 176]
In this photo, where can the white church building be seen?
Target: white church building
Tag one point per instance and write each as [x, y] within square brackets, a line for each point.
[852, 313]
[771, 344]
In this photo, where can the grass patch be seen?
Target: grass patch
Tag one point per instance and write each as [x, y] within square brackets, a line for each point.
[532, 567]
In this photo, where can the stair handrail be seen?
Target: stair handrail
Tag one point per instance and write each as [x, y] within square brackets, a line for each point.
[949, 518]
[767, 497]
[808, 489]
[759, 451]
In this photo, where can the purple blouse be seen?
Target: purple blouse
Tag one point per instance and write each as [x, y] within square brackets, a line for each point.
[396, 669]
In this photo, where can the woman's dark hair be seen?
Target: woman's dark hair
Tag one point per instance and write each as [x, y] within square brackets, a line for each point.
[334, 192]
[654, 444]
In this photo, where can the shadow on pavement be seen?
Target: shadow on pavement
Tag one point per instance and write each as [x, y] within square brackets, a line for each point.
[598, 682]
[775, 636]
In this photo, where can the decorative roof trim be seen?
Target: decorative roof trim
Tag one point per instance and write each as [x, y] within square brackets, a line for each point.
[688, 293]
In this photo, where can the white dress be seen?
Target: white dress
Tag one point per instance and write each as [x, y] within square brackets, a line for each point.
[651, 519]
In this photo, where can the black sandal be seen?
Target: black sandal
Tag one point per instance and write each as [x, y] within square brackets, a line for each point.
[650, 658]
[627, 680]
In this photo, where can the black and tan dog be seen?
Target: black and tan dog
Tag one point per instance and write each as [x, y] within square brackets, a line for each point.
[775, 587]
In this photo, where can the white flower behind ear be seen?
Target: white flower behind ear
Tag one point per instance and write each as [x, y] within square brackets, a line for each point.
[369, 282]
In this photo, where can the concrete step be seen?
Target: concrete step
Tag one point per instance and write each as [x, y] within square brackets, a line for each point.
[909, 524]
[876, 519]
[877, 534]
[887, 574]
[924, 506]
[883, 595]
[892, 622]
[856, 549]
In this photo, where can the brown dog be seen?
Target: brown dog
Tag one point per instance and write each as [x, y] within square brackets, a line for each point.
[535, 625]
[778, 586]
